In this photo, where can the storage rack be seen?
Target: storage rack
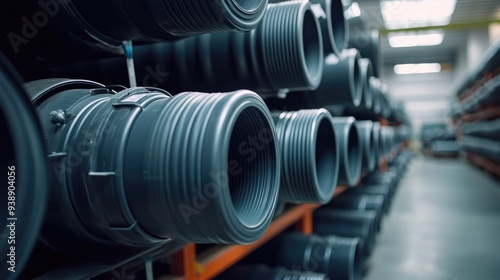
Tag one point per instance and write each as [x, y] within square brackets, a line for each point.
[187, 264]
[487, 69]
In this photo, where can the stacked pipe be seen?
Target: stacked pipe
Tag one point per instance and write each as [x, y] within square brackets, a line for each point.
[369, 137]
[285, 51]
[23, 157]
[263, 272]
[136, 168]
[347, 223]
[350, 149]
[376, 203]
[337, 257]
[86, 26]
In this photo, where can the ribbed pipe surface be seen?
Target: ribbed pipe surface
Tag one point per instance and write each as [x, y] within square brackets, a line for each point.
[178, 167]
[285, 51]
[309, 156]
[350, 150]
[337, 257]
[165, 19]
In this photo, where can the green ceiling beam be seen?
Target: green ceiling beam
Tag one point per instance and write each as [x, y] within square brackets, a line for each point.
[451, 26]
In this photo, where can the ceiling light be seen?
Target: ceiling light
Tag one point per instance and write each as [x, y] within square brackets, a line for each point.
[412, 39]
[421, 68]
[352, 11]
[416, 13]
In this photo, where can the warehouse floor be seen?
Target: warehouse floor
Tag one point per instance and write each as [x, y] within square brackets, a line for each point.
[444, 225]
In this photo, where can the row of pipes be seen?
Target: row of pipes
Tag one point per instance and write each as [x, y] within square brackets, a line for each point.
[233, 116]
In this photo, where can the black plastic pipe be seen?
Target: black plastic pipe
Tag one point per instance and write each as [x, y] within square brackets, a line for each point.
[361, 203]
[114, 21]
[24, 171]
[337, 257]
[309, 156]
[376, 189]
[138, 167]
[350, 150]
[263, 272]
[284, 52]
[347, 223]
[369, 146]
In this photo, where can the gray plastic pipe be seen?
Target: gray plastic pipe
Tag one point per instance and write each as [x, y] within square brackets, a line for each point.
[350, 148]
[139, 167]
[368, 141]
[309, 156]
[366, 73]
[334, 26]
[341, 83]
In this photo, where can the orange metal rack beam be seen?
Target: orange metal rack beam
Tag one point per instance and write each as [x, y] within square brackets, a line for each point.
[489, 113]
[187, 265]
[484, 163]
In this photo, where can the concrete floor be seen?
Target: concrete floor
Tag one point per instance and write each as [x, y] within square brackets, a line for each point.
[444, 225]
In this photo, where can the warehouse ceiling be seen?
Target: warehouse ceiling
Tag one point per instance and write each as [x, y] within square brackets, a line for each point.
[422, 105]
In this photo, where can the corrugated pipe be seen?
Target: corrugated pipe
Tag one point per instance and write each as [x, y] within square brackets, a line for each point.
[139, 167]
[486, 129]
[486, 147]
[309, 156]
[334, 27]
[284, 52]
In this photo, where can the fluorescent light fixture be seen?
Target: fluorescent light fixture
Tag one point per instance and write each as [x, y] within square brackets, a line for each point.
[412, 39]
[353, 11]
[421, 68]
[416, 13]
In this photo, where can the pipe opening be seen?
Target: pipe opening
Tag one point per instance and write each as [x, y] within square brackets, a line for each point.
[311, 45]
[251, 157]
[325, 156]
[338, 25]
[357, 79]
[247, 6]
[353, 151]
